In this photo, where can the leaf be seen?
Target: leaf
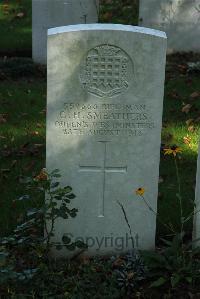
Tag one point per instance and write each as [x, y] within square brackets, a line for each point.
[23, 114]
[29, 166]
[54, 185]
[25, 145]
[194, 95]
[55, 171]
[118, 262]
[174, 94]
[189, 121]
[161, 180]
[185, 219]
[186, 108]
[71, 196]
[154, 259]
[2, 119]
[168, 137]
[188, 279]
[166, 242]
[5, 9]
[191, 129]
[159, 282]
[24, 197]
[197, 120]
[56, 175]
[73, 213]
[34, 133]
[3, 170]
[38, 145]
[13, 164]
[65, 199]
[25, 180]
[176, 242]
[175, 279]
[187, 140]
[107, 16]
[3, 257]
[68, 189]
[42, 111]
[38, 125]
[20, 15]
[182, 67]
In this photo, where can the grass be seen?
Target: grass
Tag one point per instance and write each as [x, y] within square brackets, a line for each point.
[178, 90]
[15, 27]
[22, 142]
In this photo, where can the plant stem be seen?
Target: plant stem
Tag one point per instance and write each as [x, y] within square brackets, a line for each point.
[179, 194]
[181, 208]
[52, 223]
[156, 214]
[126, 219]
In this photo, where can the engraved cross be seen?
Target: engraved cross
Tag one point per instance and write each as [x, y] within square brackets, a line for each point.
[103, 170]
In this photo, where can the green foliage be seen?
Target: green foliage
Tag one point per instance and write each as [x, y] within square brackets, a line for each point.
[119, 11]
[174, 265]
[130, 271]
[177, 263]
[95, 279]
[26, 250]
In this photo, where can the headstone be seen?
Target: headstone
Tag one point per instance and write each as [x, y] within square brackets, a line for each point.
[53, 13]
[196, 221]
[180, 19]
[105, 95]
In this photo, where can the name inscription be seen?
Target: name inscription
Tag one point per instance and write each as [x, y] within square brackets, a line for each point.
[104, 119]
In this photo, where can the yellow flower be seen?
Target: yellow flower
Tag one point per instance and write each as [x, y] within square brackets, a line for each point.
[42, 176]
[140, 191]
[174, 150]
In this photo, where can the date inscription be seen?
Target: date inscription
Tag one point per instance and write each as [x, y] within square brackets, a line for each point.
[104, 119]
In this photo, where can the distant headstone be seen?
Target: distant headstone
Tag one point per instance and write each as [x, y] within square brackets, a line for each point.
[105, 95]
[180, 19]
[196, 222]
[53, 13]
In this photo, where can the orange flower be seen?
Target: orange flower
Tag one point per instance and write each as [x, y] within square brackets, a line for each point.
[140, 191]
[42, 176]
[174, 150]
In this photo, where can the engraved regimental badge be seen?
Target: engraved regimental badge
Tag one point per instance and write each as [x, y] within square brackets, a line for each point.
[106, 71]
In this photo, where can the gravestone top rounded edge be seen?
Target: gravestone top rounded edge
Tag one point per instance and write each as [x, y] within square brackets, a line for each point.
[117, 27]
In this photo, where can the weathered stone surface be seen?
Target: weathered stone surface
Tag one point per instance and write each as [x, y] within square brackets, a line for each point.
[105, 95]
[180, 19]
[53, 13]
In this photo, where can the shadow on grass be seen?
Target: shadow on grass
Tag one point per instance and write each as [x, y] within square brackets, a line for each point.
[22, 143]
[19, 68]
